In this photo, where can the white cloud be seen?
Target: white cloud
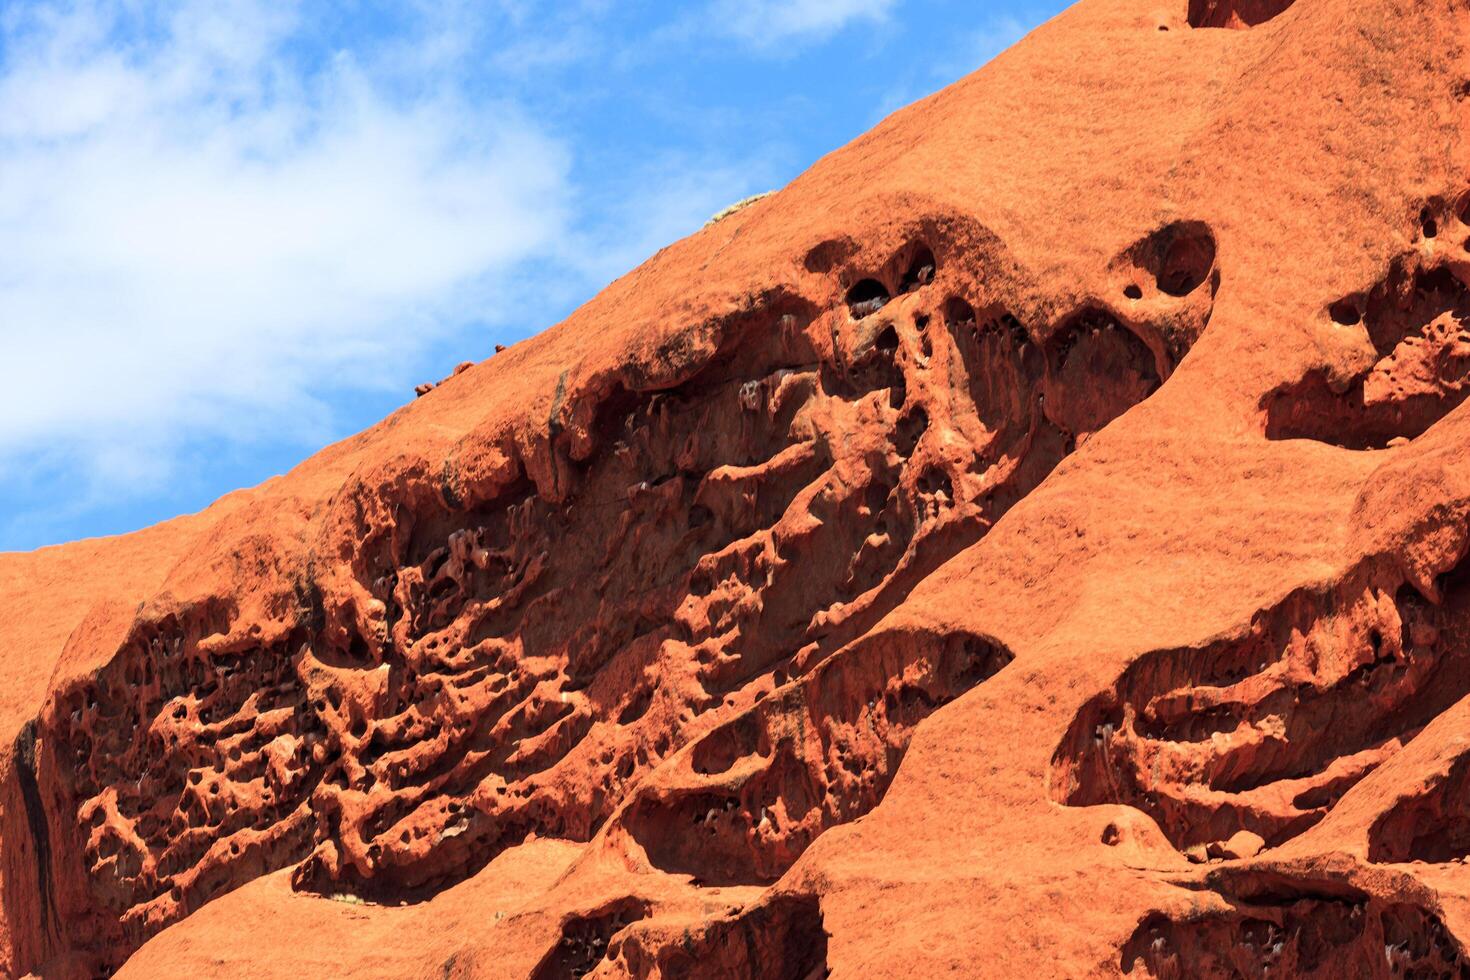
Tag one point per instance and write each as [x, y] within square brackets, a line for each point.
[201, 235]
[768, 22]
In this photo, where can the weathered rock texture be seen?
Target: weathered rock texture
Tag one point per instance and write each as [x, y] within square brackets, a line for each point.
[1035, 542]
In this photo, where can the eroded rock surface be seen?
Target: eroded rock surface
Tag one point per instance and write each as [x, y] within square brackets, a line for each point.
[1037, 541]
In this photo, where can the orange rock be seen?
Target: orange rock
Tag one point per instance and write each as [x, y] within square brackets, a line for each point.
[1243, 844]
[918, 574]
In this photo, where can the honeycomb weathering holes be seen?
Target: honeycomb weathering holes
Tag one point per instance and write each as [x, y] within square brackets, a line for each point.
[1098, 370]
[783, 937]
[920, 271]
[737, 826]
[911, 269]
[825, 256]
[1417, 318]
[1346, 312]
[1237, 14]
[584, 940]
[1315, 933]
[1179, 257]
[867, 296]
[1266, 731]
[760, 524]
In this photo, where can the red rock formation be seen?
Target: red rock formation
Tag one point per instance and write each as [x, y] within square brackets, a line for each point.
[1035, 541]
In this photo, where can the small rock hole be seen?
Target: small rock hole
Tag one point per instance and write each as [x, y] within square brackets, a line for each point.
[1346, 313]
[957, 312]
[921, 324]
[887, 341]
[866, 298]
[825, 256]
[1186, 260]
[920, 272]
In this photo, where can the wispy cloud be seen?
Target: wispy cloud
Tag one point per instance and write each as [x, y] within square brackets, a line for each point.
[766, 23]
[202, 235]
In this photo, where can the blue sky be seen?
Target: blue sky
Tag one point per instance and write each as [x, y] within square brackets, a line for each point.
[234, 231]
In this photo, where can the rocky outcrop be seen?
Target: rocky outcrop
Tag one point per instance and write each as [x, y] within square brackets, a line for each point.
[1034, 541]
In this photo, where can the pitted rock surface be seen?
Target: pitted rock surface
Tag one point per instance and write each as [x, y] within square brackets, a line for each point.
[1034, 542]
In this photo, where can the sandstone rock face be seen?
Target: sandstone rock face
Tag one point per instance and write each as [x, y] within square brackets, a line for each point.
[1037, 541]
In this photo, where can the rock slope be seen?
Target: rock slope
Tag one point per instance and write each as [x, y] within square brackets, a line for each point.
[1037, 541]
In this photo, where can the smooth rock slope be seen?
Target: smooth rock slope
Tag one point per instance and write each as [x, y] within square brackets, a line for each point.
[1032, 543]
